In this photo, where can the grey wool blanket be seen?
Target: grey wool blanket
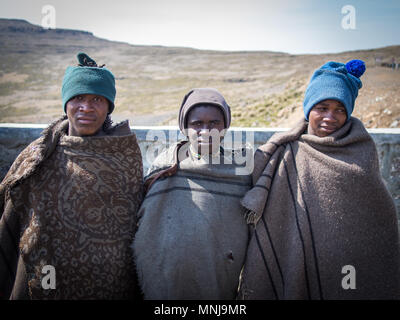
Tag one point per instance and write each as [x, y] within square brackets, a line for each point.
[192, 235]
[325, 225]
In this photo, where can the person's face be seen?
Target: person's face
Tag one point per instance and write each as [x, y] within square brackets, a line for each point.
[205, 123]
[326, 117]
[86, 114]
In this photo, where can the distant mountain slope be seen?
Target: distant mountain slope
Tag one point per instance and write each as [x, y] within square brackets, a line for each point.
[263, 88]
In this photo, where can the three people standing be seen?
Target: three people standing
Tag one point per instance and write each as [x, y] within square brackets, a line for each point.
[314, 204]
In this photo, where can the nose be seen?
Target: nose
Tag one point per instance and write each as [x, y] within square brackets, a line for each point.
[329, 116]
[204, 129]
[85, 105]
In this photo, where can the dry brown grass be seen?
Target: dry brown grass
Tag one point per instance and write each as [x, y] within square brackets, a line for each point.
[263, 88]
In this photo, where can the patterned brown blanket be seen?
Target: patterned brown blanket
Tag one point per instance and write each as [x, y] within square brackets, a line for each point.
[326, 225]
[71, 202]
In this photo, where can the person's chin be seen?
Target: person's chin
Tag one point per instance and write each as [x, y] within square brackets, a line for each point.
[207, 148]
[201, 149]
[86, 131]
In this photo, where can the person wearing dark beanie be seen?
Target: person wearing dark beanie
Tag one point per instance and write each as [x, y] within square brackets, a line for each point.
[191, 239]
[88, 78]
[68, 203]
[324, 223]
[88, 94]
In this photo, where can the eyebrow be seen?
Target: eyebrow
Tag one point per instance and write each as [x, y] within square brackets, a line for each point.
[201, 120]
[340, 105]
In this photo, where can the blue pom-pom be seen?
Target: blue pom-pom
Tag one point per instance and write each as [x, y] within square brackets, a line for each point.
[356, 67]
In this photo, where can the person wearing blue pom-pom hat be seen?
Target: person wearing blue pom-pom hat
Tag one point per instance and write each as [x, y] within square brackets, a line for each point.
[332, 87]
[323, 223]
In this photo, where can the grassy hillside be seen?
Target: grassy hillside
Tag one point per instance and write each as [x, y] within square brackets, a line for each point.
[263, 88]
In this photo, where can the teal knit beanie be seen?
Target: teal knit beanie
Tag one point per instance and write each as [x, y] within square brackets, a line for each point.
[88, 78]
[336, 81]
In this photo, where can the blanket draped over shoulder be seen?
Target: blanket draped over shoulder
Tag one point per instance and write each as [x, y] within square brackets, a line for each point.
[71, 203]
[192, 234]
[325, 223]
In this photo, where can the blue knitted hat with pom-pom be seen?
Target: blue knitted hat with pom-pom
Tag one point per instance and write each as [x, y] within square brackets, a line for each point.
[336, 81]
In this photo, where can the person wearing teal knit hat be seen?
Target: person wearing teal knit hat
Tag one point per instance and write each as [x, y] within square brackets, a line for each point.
[88, 78]
[77, 190]
[88, 95]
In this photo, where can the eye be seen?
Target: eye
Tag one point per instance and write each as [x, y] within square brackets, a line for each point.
[195, 123]
[215, 122]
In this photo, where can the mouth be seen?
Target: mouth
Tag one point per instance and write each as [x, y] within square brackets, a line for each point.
[203, 142]
[85, 120]
[328, 128]
[207, 143]
[204, 139]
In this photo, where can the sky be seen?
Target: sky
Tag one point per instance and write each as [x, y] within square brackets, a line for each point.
[296, 27]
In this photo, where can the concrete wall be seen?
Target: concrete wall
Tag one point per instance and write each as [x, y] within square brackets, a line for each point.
[15, 137]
